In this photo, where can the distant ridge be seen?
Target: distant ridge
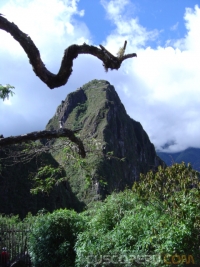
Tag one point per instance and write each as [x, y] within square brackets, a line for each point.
[189, 155]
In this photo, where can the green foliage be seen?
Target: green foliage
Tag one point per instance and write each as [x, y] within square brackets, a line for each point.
[165, 184]
[52, 238]
[148, 220]
[81, 171]
[5, 91]
[16, 182]
[175, 191]
[9, 220]
[115, 227]
[46, 178]
[160, 216]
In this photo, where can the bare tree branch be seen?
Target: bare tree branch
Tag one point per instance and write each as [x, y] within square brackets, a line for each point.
[47, 135]
[72, 52]
[125, 43]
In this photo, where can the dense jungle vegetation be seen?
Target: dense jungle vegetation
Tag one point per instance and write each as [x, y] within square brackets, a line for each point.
[154, 224]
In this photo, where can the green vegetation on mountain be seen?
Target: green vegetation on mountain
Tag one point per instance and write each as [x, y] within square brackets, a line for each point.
[96, 110]
[17, 180]
[117, 147]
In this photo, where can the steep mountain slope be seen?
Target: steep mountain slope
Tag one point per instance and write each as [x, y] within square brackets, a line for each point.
[98, 111]
[107, 132]
[15, 185]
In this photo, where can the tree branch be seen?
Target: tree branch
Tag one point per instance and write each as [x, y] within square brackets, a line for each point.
[45, 134]
[125, 43]
[72, 52]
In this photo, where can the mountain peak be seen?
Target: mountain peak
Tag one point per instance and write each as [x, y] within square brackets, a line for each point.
[97, 110]
[106, 130]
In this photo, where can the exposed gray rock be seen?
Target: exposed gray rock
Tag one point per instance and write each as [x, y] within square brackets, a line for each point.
[96, 107]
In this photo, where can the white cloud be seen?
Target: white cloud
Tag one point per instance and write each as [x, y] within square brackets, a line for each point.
[46, 22]
[114, 8]
[161, 89]
[52, 27]
[192, 39]
[174, 27]
[127, 27]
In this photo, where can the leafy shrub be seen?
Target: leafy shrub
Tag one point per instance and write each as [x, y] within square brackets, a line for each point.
[114, 229]
[166, 182]
[5, 91]
[11, 220]
[160, 216]
[46, 178]
[52, 238]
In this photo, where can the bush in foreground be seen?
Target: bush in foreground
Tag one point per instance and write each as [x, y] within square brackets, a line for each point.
[160, 216]
[52, 238]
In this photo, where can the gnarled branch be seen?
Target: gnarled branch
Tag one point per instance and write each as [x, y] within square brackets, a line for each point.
[45, 134]
[72, 52]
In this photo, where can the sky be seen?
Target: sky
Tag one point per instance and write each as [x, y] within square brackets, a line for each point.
[160, 88]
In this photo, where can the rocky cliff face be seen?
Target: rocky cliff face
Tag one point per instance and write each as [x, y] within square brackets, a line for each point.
[98, 111]
[105, 127]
